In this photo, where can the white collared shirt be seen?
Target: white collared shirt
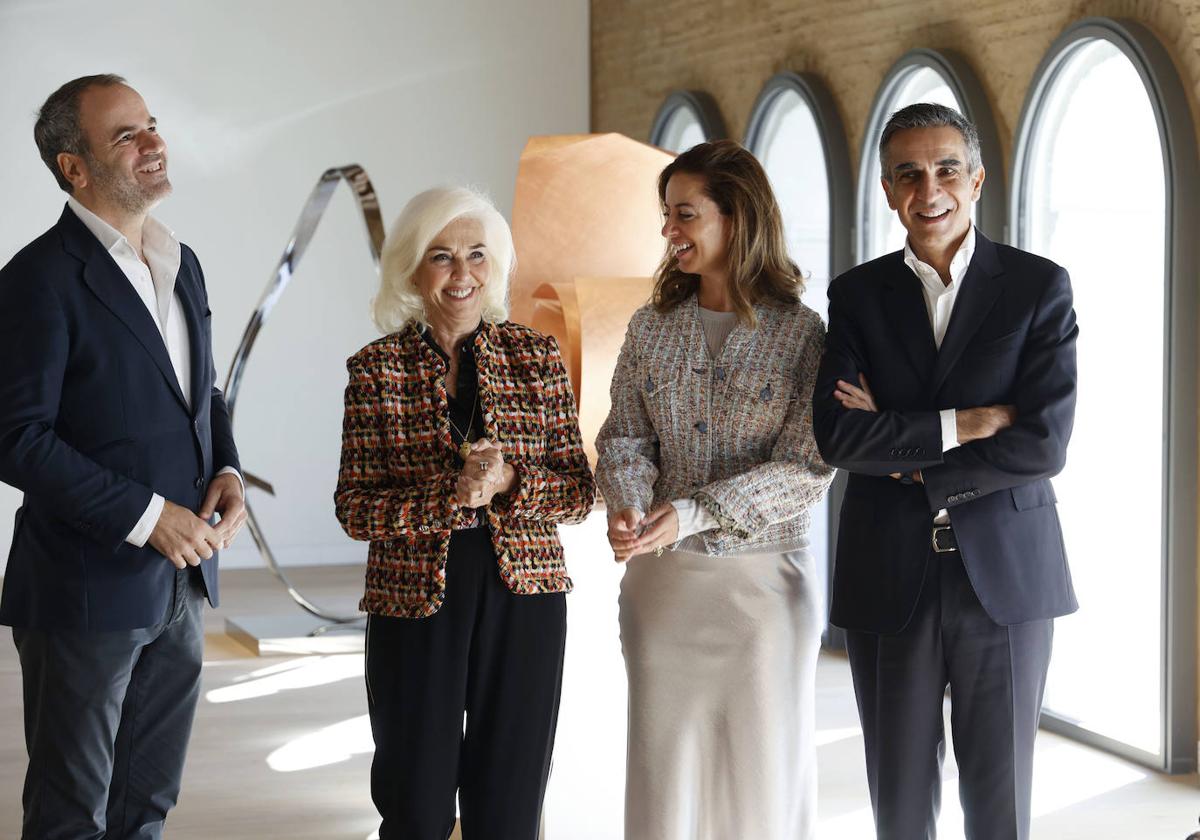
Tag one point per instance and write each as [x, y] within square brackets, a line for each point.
[939, 304]
[154, 283]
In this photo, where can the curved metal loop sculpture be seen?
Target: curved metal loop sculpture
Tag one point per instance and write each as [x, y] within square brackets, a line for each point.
[368, 204]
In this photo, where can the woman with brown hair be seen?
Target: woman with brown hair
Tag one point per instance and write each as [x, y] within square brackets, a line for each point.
[708, 466]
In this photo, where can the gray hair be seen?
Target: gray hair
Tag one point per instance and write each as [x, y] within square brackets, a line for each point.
[423, 218]
[58, 130]
[929, 115]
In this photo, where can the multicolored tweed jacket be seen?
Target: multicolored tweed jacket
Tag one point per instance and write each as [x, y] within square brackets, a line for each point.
[398, 468]
[734, 433]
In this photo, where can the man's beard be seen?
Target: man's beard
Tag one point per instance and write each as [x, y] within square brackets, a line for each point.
[128, 194]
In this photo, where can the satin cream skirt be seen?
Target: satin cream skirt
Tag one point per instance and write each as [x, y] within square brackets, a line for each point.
[721, 654]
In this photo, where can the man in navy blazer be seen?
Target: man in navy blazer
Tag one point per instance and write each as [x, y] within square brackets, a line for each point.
[111, 425]
[947, 391]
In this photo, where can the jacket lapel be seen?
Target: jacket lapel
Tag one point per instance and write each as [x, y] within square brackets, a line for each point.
[106, 280]
[193, 315]
[909, 317]
[981, 287]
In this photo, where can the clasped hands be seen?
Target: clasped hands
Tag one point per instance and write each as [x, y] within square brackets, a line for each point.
[971, 423]
[185, 538]
[631, 532]
[484, 474]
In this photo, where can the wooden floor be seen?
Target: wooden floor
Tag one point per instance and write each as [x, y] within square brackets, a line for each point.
[281, 750]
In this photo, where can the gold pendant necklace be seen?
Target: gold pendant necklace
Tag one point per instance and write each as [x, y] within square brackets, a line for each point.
[464, 448]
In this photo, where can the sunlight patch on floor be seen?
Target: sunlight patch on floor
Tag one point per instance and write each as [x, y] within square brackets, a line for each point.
[330, 745]
[305, 672]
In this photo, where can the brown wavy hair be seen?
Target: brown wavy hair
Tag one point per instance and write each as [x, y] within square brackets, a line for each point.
[759, 267]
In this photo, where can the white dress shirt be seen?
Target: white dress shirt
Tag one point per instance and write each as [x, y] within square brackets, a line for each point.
[939, 303]
[154, 283]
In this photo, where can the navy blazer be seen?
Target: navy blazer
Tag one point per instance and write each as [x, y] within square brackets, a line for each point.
[92, 423]
[1011, 340]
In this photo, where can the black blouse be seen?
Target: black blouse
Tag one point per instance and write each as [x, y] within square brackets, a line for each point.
[466, 415]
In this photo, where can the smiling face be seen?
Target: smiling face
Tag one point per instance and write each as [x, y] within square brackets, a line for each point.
[694, 227]
[930, 188]
[125, 165]
[452, 275]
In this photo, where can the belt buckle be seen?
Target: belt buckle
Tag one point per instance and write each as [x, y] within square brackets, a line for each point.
[934, 540]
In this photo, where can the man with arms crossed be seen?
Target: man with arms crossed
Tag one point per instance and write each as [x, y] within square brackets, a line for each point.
[111, 425]
[947, 391]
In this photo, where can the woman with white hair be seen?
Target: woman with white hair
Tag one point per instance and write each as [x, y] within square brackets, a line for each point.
[460, 454]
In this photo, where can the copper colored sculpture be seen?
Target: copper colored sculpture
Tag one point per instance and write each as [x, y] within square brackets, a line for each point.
[586, 223]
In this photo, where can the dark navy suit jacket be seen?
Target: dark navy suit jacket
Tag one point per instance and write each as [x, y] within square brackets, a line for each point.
[1011, 340]
[92, 423]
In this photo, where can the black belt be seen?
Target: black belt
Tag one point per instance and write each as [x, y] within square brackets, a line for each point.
[943, 539]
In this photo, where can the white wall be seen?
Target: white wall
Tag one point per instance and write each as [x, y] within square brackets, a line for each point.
[255, 99]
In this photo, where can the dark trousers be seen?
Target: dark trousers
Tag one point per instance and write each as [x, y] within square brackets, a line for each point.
[996, 676]
[489, 654]
[107, 720]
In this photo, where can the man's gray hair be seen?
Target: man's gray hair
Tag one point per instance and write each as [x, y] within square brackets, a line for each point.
[929, 115]
[58, 130]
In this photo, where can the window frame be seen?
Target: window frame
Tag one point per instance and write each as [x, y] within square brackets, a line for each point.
[700, 103]
[840, 178]
[1176, 133]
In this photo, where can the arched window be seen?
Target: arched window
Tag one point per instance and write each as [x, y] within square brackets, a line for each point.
[797, 135]
[1104, 179]
[925, 76]
[686, 118]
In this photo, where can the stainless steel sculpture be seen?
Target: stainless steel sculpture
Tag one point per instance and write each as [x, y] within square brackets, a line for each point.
[356, 178]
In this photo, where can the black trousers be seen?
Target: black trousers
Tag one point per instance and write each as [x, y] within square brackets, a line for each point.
[491, 655]
[107, 721]
[996, 676]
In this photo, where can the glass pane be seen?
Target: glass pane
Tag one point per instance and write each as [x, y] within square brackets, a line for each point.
[884, 231]
[682, 131]
[793, 155]
[1107, 657]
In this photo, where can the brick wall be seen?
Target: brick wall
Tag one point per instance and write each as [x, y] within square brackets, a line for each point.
[642, 50]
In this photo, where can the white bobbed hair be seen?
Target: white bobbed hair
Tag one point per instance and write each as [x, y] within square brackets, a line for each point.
[422, 219]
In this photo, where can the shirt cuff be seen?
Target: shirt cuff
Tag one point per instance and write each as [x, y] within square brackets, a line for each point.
[693, 517]
[145, 526]
[949, 417]
[224, 470]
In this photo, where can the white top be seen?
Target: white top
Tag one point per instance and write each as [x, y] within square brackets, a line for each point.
[154, 282]
[939, 303]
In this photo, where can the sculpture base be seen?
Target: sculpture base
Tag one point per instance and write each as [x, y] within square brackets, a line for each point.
[295, 635]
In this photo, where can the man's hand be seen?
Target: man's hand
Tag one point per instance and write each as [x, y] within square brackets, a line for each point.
[623, 528]
[852, 397]
[484, 474]
[983, 422]
[225, 497]
[183, 537]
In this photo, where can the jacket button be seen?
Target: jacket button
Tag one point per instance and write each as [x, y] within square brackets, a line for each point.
[701, 426]
[720, 374]
[199, 483]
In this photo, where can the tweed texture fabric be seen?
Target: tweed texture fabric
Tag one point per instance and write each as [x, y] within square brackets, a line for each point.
[734, 432]
[399, 469]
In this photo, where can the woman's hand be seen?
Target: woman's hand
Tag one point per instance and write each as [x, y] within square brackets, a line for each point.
[630, 533]
[623, 530]
[659, 529]
[484, 474]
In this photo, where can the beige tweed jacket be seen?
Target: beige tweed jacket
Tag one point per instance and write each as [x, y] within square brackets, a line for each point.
[734, 433]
